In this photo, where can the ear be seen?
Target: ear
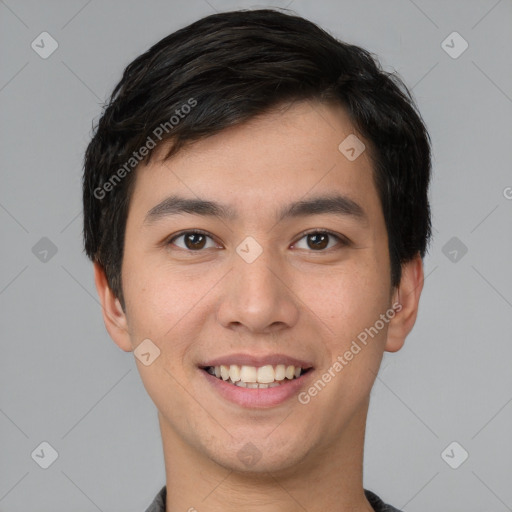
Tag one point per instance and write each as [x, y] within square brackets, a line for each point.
[113, 314]
[405, 302]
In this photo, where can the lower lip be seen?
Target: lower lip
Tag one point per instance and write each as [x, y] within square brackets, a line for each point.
[257, 398]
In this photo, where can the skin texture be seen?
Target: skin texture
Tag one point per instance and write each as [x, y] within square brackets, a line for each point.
[293, 299]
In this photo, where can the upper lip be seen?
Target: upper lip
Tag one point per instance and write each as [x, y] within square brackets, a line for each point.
[256, 360]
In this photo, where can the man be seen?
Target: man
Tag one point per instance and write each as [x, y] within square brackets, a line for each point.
[256, 208]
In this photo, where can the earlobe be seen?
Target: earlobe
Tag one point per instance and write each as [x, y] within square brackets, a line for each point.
[405, 302]
[113, 314]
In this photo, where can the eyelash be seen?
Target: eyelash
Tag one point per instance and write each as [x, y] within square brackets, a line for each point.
[342, 241]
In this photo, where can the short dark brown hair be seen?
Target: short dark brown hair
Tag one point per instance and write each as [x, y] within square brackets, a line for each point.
[227, 68]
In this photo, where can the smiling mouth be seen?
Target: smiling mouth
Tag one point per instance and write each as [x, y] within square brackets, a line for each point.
[254, 377]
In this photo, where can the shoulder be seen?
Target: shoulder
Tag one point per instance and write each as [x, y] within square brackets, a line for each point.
[158, 504]
[377, 504]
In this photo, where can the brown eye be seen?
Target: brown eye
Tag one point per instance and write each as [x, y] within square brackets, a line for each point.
[192, 241]
[320, 240]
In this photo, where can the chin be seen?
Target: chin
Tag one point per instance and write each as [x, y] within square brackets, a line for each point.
[261, 455]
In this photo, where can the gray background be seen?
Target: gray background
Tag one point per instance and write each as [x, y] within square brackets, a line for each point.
[62, 379]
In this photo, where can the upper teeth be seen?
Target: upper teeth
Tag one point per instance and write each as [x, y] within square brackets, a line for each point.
[262, 374]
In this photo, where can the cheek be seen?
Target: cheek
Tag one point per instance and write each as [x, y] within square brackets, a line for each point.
[347, 301]
[154, 301]
[351, 306]
[164, 302]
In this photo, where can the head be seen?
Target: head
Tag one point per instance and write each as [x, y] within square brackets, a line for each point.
[248, 109]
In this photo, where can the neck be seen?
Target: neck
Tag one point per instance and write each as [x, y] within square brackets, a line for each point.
[328, 478]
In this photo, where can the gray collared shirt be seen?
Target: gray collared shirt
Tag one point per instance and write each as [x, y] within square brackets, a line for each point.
[158, 504]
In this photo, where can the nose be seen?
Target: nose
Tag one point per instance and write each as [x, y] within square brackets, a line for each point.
[258, 297]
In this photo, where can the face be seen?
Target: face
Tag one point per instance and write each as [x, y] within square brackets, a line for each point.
[289, 267]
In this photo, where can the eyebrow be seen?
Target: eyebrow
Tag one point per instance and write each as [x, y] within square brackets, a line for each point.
[333, 204]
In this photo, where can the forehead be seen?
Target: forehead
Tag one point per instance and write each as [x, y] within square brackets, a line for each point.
[285, 155]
